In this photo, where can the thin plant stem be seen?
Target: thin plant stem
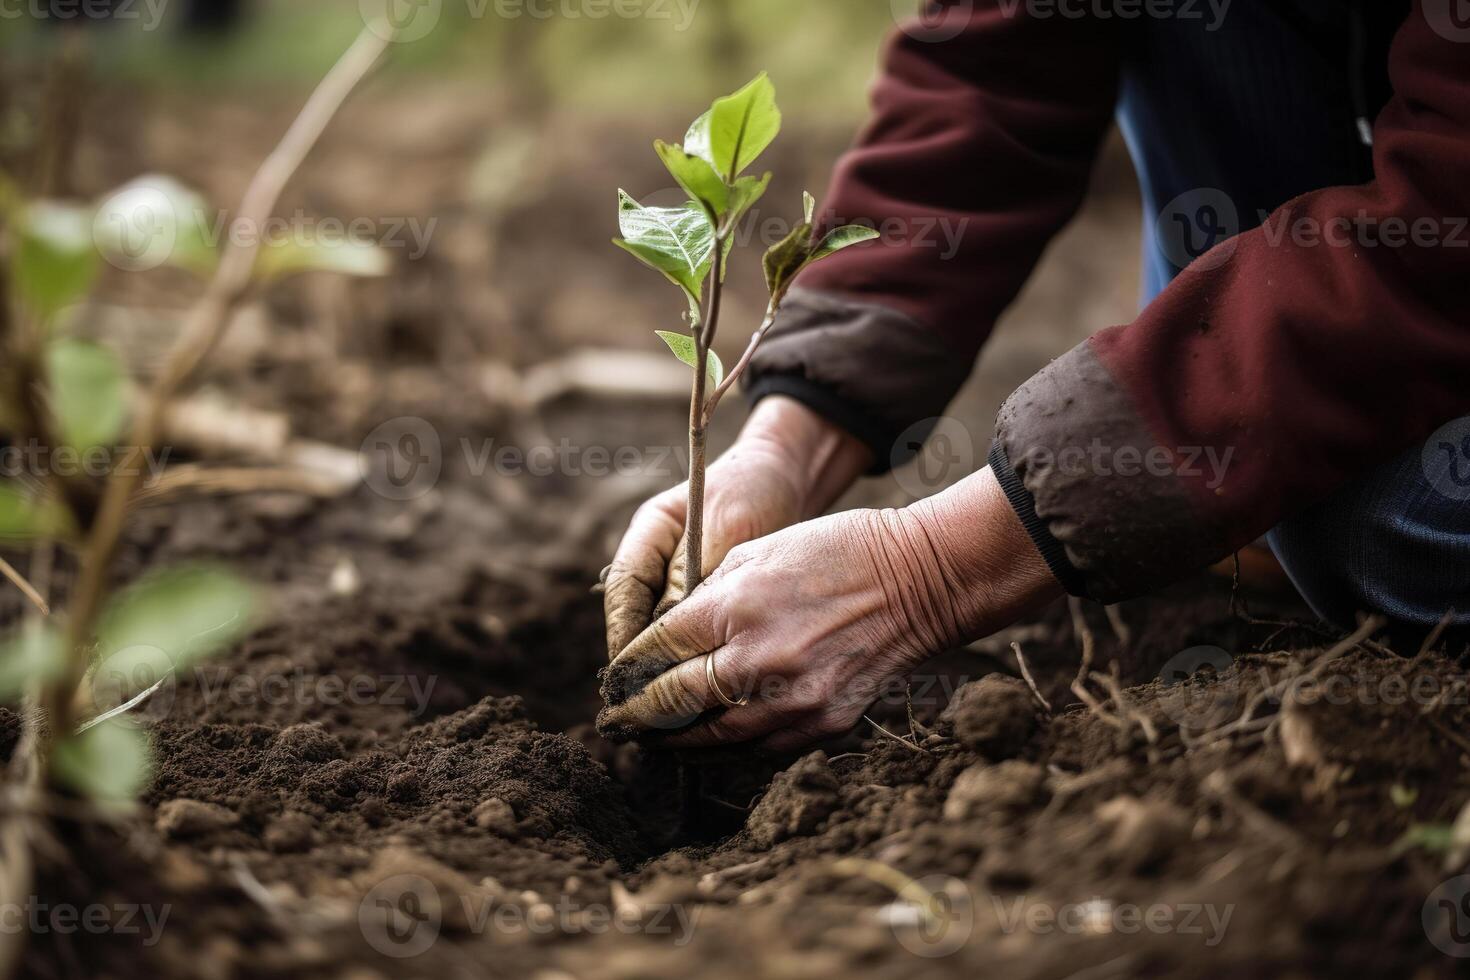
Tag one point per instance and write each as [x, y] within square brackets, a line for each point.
[901, 741]
[704, 336]
[1030, 681]
[26, 588]
[66, 84]
[735, 372]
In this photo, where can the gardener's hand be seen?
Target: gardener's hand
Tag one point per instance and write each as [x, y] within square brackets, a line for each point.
[789, 464]
[809, 623]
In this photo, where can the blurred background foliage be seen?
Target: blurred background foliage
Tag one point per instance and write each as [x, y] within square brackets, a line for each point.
[486, 157]
[581, 54]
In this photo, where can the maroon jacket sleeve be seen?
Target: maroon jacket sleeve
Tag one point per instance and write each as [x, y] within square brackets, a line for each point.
[985, 127]
[1275, 368]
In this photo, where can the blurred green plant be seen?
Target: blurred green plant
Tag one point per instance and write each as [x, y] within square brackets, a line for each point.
[71, 394]
[60, 392]
[690, 245]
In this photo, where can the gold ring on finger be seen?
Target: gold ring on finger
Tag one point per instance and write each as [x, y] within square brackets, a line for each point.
[714, 685]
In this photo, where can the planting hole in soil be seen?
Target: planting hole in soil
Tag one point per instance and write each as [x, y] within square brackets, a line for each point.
[325, 405]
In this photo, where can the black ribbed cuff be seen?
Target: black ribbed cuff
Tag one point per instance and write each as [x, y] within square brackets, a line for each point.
[843, 414]
[1024, 505]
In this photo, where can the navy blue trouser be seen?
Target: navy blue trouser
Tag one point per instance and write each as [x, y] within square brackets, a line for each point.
[1227, 119]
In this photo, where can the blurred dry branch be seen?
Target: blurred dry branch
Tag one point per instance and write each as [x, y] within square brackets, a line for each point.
[599, 373]
[202, 330]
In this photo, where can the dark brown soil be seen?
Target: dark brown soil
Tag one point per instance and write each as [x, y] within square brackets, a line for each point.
[493, 793]
[400, 778]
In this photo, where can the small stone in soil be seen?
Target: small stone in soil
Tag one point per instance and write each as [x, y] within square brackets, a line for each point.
[497, 816]
[290, 833]
[797, 802]
[404, 784]
[993, 716]
[447, 889]
[1142, 833]
[183, 818]
[982, 789]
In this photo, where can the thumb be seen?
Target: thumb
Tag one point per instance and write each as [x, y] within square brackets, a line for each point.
[717, 544]
[637, 575]
[683, 634]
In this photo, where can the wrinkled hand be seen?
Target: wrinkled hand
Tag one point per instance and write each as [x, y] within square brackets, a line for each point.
[789, 464]
[748, 494]
[810, 623]
[807, 623]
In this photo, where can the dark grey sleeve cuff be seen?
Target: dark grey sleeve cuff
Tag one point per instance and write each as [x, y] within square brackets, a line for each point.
[1024, 505]
[847, 416]
[1074, 443]
[872, 370]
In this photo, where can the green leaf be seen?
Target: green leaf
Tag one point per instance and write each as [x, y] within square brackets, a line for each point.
[786, 258]
[23, 517]
[55, 258]
[173, 619]
[743, 195]
[696, 176]
[349, 257]
[737, 128]
[679, 242]
[839, 238]
[109, 763]
[88, 387]
[683, 347]
[154, 221]
[1435, 837]
[37, 655]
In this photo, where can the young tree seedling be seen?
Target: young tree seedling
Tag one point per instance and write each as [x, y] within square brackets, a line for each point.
[691, 246]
